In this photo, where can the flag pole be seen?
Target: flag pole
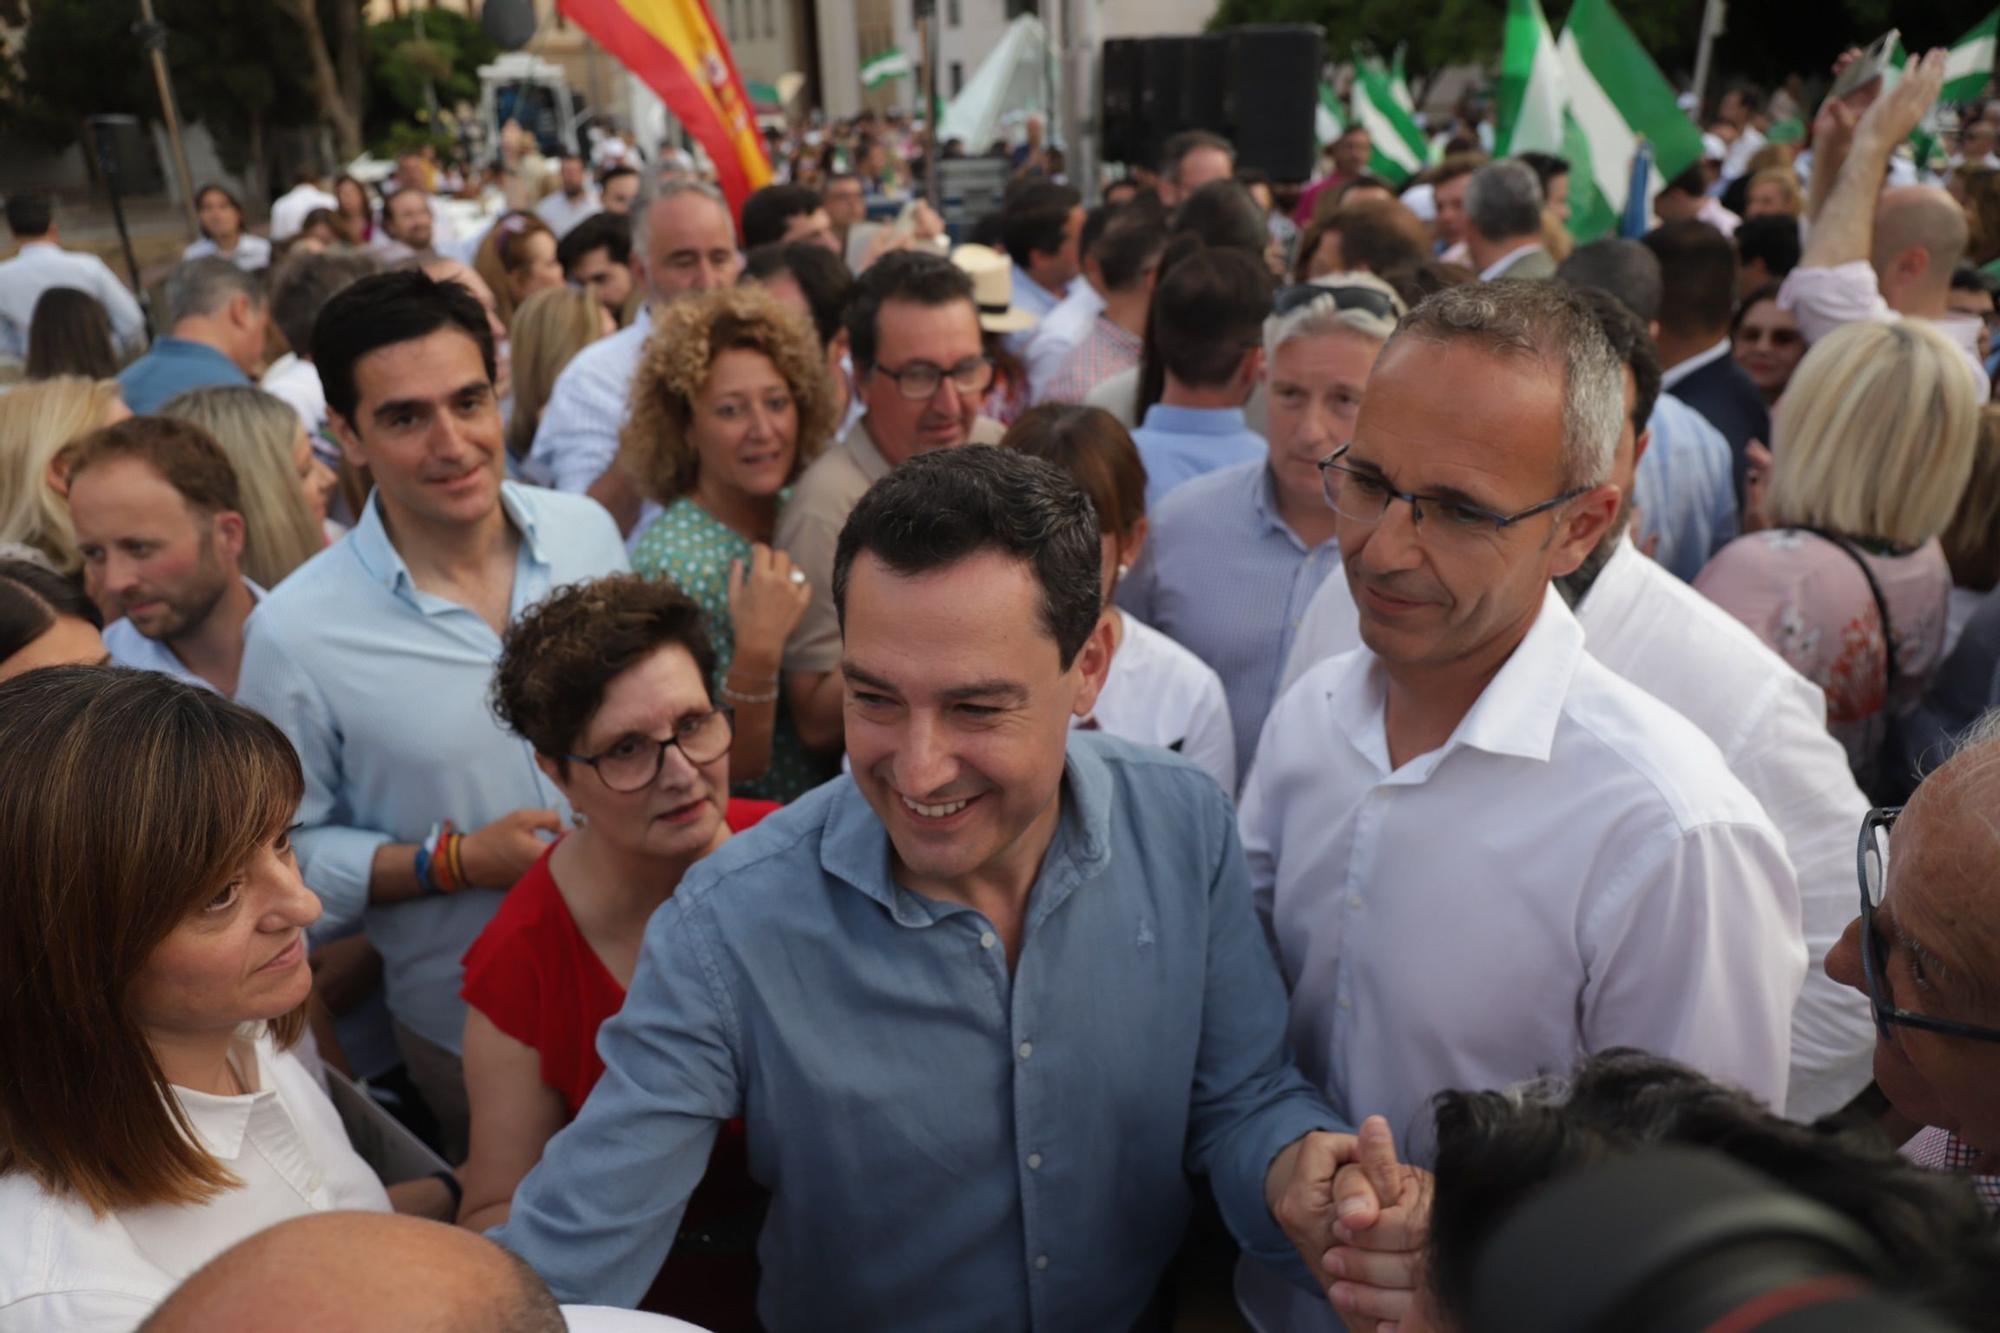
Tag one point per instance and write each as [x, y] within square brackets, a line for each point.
[1714, 20]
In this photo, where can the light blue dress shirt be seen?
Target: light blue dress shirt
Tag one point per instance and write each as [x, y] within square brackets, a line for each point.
[948, 1145]
[1178, 444]
[383, 690]
[1223, 576]
[129, 648]
[1685, 488]
[174, 366]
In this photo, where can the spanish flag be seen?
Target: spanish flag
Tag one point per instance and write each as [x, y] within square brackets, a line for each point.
[679, 50]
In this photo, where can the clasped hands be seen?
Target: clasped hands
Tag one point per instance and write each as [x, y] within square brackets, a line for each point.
[1359, 1219]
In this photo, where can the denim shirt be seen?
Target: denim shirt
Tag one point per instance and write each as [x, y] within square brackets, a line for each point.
[948, 1146]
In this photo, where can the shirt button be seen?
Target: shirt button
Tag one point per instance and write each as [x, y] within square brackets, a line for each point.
[1034, 1161]
[1354, 900]
[1346, 1003]
[1041, 1261]
[988, 940]
[1025, 1049]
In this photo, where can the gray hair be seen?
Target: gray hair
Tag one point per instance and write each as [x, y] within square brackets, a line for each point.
[1551, 325]
[650, 194]
[1321, 317]
[1504, 199]
[204, 286]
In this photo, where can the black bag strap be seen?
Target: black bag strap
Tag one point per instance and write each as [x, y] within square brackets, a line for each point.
[1881, 604]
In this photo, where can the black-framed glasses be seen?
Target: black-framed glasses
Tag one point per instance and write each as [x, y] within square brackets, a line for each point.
[630, 763]
[1364, 497]
[1872, 858]
[920, 379]
[1302, 294]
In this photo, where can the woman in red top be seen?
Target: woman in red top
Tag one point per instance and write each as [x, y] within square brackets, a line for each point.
[608, 680]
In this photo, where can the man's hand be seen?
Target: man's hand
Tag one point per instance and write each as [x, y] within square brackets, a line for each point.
[1897, 113]
[1357, 1217]
[501, 853]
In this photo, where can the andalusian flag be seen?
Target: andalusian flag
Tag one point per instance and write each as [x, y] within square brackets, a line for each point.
[1968, 64]
[1531, 97]
[1399, 86]
[1329, 120]
[678, 49]
[1398, 149]
[891, 64]
[1617, 98]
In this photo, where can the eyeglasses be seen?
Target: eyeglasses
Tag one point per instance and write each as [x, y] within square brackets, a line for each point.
[1874, 952]
[1364, 497]
[1300, 295]
[632, 762]
[920, 379]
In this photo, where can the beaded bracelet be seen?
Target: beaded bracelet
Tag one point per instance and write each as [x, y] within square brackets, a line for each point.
[739, 697]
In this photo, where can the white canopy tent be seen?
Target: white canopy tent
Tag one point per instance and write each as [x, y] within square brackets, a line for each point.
[1018, 79]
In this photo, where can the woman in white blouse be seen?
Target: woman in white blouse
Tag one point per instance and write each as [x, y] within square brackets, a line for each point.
[222, 232]
[1158, 693]
[152, 935]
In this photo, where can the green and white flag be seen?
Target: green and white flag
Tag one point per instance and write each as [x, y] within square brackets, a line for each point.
[1617, 97]
[1531, 96]
[891, 64]
[1397, 148]
[1968, 64]
[1329, 118]
[1399, 86]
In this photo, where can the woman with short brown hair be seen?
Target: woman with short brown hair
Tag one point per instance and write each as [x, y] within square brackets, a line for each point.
[152, 935]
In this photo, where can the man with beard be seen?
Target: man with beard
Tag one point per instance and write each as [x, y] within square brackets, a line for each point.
[160, 526]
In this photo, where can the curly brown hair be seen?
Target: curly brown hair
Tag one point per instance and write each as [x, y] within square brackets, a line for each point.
[561, 655]
[653, 445]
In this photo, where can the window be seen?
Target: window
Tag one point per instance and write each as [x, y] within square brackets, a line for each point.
[770, 19]
[952, 15]
[729, 19]
[957, 77]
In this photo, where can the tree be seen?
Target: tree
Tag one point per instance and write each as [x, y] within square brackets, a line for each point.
[240, 68]
[448, 55]
[341, 115]
[77, 60]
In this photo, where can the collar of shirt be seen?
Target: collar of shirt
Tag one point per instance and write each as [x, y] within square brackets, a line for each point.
[129, 648]
[866, 453]
[1673, 376]
[1194, 420]
[384, 563]
[855, 847]
[222, 1123]
[1032, 297]
[1264, 500]
[1516, 714]
[1499, 266]
[170, 348]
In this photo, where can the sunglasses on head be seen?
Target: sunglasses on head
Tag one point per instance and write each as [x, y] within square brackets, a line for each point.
[1302, 294]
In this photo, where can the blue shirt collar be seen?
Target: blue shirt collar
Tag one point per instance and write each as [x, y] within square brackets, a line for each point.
[1195, 420]
[187, 349]
[854, 847]
[384, 563]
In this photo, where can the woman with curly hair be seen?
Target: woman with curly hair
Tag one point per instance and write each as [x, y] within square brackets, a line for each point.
[730, 403]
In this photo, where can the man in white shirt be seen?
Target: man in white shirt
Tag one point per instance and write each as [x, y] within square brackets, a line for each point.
[305, 283]
[1767, 719]
[683, 241]
[1480, 854]
[1503, 222]
[288, 210]
[41, 264]
[160, 524]
[409, 226]
[573, 202]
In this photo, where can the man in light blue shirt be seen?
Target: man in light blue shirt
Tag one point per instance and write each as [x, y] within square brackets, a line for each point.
[1041, 226]
[1207, 320]
[1685, 492]
[375, 657]
[985, 1004]
[219, 319]
[42, 263]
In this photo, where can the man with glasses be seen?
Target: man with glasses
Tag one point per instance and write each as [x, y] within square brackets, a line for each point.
[1925, 950]
[921, 373]
[1234, 557]
[1481, 855]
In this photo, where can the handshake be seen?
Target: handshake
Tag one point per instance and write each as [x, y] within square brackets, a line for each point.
[1359, 1219]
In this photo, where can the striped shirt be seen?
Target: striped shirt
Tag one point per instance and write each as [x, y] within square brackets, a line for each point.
[1105, 351]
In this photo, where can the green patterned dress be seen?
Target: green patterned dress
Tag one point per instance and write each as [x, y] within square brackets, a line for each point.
[692, 548]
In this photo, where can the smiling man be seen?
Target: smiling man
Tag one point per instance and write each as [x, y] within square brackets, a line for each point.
[375, 656]
[985, 1005]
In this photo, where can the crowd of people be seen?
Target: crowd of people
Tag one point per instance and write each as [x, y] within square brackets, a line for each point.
[824, 771]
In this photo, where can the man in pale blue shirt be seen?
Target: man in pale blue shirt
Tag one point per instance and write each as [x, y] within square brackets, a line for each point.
[1041, 225]
[375, 656]
[1207, 321]
[219, 319]
[42, 263]
[985, 1004]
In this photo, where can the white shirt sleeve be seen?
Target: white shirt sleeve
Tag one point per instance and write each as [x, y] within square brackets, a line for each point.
[1330, 626]
[1823, 299]
[577, 437]
[128, 322]
[1211, 740]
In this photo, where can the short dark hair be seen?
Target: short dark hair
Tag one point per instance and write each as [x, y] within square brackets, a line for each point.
[1180, 145]
[1033, 218]
[1964, 278]
[1692, 182]
[384, 310]
[609, 232]
[941, 507]
[1207, 312]
[1131, 242]
[904, 275]
[1222, 213]
[1633, 343]
[1094, 223]
[1417, 282]
[561, 654]
[821, 275]
[1773, 238]
[1625, 268]
[306, 282]
[1768, 292]
[1546, 166]
[1697, 277]
[30, 214]
[614, 172]
[768, 210]
[1494, 1149]
[1378, 235]
[32, 596]
[69, 333]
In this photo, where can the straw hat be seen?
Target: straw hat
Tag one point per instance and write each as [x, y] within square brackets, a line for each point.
[992, 288]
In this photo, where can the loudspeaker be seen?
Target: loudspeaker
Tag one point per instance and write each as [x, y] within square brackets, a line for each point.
[510, 23]
[125, 155]
[1270, 96]
[1121, 85]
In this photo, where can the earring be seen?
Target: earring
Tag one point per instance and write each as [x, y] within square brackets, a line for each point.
[1123, 570]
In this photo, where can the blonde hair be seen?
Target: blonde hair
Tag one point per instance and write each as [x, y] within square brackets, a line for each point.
[500, 253]
[37, 421]
[549, 329]
[1972, 541]
[258, 432]
[1875, 434]
[1785, 179]
[687, 336]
